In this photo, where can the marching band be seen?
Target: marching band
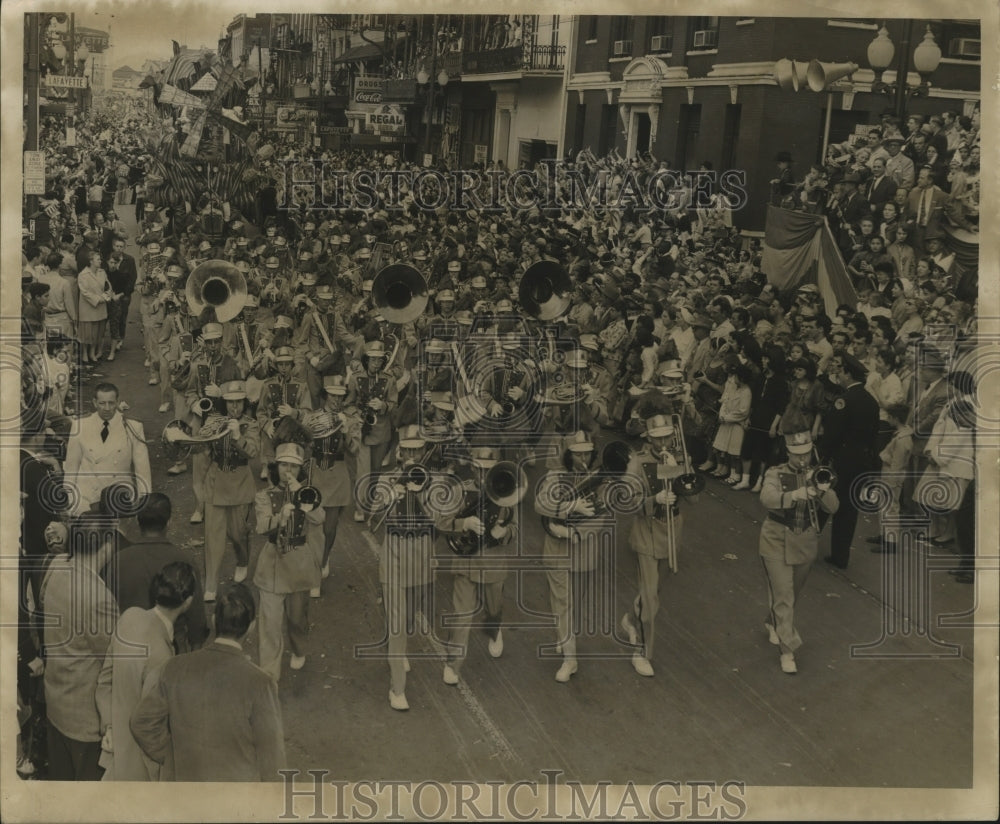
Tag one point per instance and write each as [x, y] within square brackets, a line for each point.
[421, 412]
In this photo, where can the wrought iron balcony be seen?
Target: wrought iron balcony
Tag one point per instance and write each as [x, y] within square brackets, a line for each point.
[515, 59]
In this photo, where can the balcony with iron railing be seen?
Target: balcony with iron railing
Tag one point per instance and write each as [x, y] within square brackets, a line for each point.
[515, 59]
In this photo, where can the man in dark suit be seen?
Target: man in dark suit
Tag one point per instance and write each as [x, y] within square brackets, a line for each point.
[131, 571]
[215, 716]
[122, 274]
[853, 205]
[850, 430]
[881, 188]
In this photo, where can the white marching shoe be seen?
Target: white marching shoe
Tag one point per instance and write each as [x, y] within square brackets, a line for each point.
[568, 669]
[450, 676]
[642, 666]
[496, 645]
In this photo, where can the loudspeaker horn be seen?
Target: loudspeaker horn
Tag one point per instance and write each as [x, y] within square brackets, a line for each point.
[790, 75]
[821, 75]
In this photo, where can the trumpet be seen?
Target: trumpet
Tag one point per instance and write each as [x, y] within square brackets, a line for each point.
[291, 534]
[819, 478]
[415, 474]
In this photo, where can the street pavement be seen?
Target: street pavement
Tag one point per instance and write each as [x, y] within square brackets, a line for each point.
[883, 696]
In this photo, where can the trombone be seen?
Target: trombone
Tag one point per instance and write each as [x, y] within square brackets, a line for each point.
[684, 484]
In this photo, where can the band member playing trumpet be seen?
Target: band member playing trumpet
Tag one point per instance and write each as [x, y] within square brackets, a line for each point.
[336, 434]
[229, 487]
[656, 531]
[197, 376]
[290, 514]
[476, 586]
[280, 397]
[795, 499]
[374, 394]
[405, 572]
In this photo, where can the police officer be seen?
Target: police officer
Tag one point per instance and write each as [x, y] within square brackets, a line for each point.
[789, 539]
[850, 432]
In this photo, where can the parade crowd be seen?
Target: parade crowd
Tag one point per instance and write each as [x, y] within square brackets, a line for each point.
[313, 365]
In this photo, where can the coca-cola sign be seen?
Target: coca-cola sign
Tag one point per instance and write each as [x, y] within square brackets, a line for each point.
[368, 97]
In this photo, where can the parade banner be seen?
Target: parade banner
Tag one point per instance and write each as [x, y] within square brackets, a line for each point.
[799, 248]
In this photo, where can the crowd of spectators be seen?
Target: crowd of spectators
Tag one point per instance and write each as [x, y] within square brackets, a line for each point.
[670, 310]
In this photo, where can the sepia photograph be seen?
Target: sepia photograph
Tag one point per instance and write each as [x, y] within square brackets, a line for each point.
[428, 414]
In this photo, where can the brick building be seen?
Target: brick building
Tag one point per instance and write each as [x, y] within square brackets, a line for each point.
[696, 89]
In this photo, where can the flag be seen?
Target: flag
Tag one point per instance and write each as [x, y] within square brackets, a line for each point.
[799, 248]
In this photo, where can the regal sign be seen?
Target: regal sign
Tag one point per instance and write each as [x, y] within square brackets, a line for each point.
[387, 118]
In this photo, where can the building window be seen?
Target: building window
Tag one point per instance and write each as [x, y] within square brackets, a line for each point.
[609, 128]
[688, 130]
[661, 39]
[730, 135]
[621, 36]
[591, 26]
[957, 39]
[704, 33]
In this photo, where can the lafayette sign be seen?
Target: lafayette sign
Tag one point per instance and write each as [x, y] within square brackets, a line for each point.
[61, 81]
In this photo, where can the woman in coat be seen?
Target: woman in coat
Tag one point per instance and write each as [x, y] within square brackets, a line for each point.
[95, 294]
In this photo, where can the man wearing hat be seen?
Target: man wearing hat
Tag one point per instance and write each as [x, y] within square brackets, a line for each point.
[198, 378]
[229, 485]
[656, 532]
[572, 543]
[475, 585]
[324, 337]
[405, 572]
[152, 278]
[281, 397]
[374, 393]
[850, 433]
[898, 166]
[789, 540]
[336, 432]
[289, 563]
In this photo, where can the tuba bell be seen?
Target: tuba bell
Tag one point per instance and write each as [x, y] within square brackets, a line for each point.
[505, 483]
[218, 285]
[399, 293]
[544, 290]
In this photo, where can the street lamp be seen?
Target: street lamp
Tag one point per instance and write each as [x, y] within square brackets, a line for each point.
[926, 58]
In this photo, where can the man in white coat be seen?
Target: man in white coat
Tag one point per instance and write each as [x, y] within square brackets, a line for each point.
[106, 449]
